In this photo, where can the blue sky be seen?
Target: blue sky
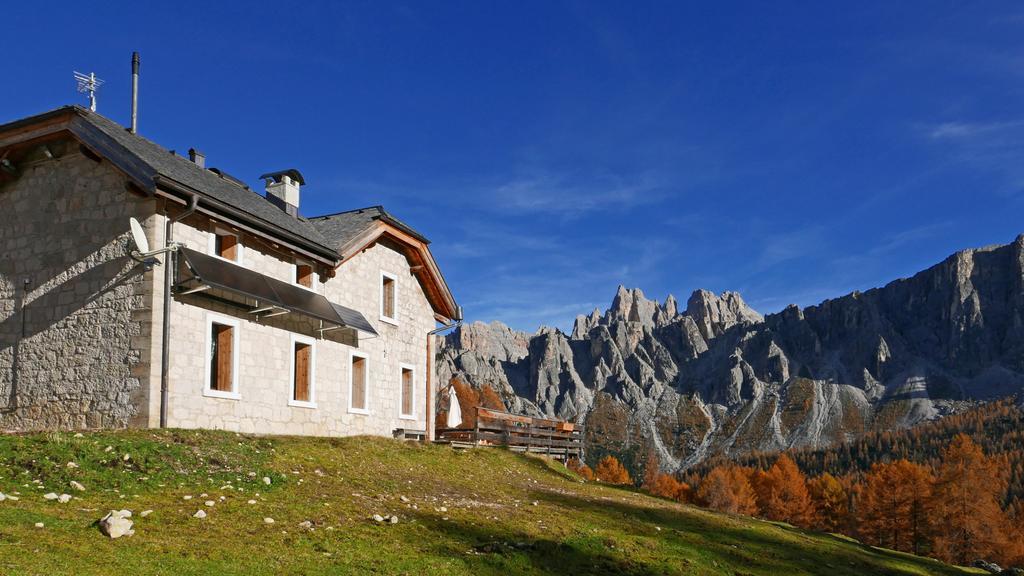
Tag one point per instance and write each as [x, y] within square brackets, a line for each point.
[552, 151]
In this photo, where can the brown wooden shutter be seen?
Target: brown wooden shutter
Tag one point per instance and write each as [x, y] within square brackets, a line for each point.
[407, 391]
[389, 297]
[358, 383]
[228, 246]
[221, 364]
[303, 355]
[304, 275]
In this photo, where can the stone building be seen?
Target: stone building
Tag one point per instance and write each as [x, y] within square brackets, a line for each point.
[257, 319]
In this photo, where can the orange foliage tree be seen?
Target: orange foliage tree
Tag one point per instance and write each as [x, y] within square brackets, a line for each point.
[966, 504]
[893, 506]
[830, 503]
[666, 486]
[610, 470]
[727, 488]
[783, 493]
[580, 468]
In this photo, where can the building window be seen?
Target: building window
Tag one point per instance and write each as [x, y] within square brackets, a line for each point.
[226, 244]
[408, 383]
[221, 357]
[388, 297]
[358, 397]
[303, 372]
[304, 274]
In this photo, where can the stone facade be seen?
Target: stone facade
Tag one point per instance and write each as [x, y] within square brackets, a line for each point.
[74, 307]
[80, 342]
[264, 362]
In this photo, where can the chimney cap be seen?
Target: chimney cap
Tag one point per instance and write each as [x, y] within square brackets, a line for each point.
[290, 172]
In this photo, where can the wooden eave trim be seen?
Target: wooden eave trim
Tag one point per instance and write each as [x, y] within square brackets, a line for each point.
[424, 267]
[45, 127]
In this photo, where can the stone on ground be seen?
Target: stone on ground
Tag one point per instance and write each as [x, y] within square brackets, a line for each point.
[116, 524]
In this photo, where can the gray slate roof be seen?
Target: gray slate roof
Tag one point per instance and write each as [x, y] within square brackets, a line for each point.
[186, 172]
[329, 232]
[341, 227]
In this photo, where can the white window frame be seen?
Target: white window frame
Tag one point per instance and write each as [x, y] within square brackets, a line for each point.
[211, 247]
[394, 280]
[311, 403]
[412, 403]
[366, 369]
[212, 319]
[295, 274]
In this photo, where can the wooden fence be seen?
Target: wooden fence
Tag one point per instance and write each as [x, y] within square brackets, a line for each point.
[556, 438]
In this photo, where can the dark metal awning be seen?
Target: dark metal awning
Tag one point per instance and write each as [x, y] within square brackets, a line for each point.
[272, 297]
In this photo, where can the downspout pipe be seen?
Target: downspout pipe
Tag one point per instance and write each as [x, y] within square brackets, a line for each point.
[428, 407]
[165, 351]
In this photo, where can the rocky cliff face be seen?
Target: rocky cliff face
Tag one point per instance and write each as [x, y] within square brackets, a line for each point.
[718, 378]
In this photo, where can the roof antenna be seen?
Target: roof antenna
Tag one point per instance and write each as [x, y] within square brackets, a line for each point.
[135, 91]
[89, 84]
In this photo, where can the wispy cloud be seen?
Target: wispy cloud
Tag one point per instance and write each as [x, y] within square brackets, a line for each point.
[969, 130]
[781, 247]
[571, 196]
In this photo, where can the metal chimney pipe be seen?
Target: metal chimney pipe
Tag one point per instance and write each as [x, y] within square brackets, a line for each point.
[135, 91]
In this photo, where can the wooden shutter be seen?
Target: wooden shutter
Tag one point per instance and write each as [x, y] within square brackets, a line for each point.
[221, 364]
[389, 297]
[407, 392]
[303, 356]
[358, 383]
[227, 246]
[304, 275]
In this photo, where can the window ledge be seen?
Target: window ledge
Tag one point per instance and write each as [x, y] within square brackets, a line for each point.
[392, 321]
[361, 411]
[301, 404]
[406, 417]
[221, 394]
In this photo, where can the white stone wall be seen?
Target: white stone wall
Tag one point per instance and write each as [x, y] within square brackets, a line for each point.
[74, 338]
[264, 375]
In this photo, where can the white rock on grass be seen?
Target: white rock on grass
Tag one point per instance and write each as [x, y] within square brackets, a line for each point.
[50, 496]
[266, 480]
[117, 523]
[251, 502]
[40, 525]
[186, 497]
[3, 496]
[209, 503]
[64, 498]
[200, 514]
[145, 513]
[71, 465]
[77, 486]
[268, 520]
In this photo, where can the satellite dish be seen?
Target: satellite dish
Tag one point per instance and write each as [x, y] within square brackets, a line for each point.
[138, 236]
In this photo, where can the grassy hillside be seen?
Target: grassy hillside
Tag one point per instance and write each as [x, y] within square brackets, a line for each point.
[476, 512]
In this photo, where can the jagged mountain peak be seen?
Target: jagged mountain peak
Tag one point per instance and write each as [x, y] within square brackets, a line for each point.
[719, 378]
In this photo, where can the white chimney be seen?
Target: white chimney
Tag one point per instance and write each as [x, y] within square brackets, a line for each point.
[283, 189]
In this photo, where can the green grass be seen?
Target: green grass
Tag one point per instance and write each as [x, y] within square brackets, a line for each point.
[491, 525]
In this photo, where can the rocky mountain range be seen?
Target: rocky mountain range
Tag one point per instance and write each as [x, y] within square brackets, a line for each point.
[716, 377]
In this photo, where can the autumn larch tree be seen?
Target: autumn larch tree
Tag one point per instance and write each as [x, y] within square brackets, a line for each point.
[965, 504]
[727, 489]
[829, 502]
[580, 468]
[893, 507]
[610, 470]
[785, 493]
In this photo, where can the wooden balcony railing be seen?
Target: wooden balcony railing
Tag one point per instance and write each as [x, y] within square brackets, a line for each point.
[556, 438]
